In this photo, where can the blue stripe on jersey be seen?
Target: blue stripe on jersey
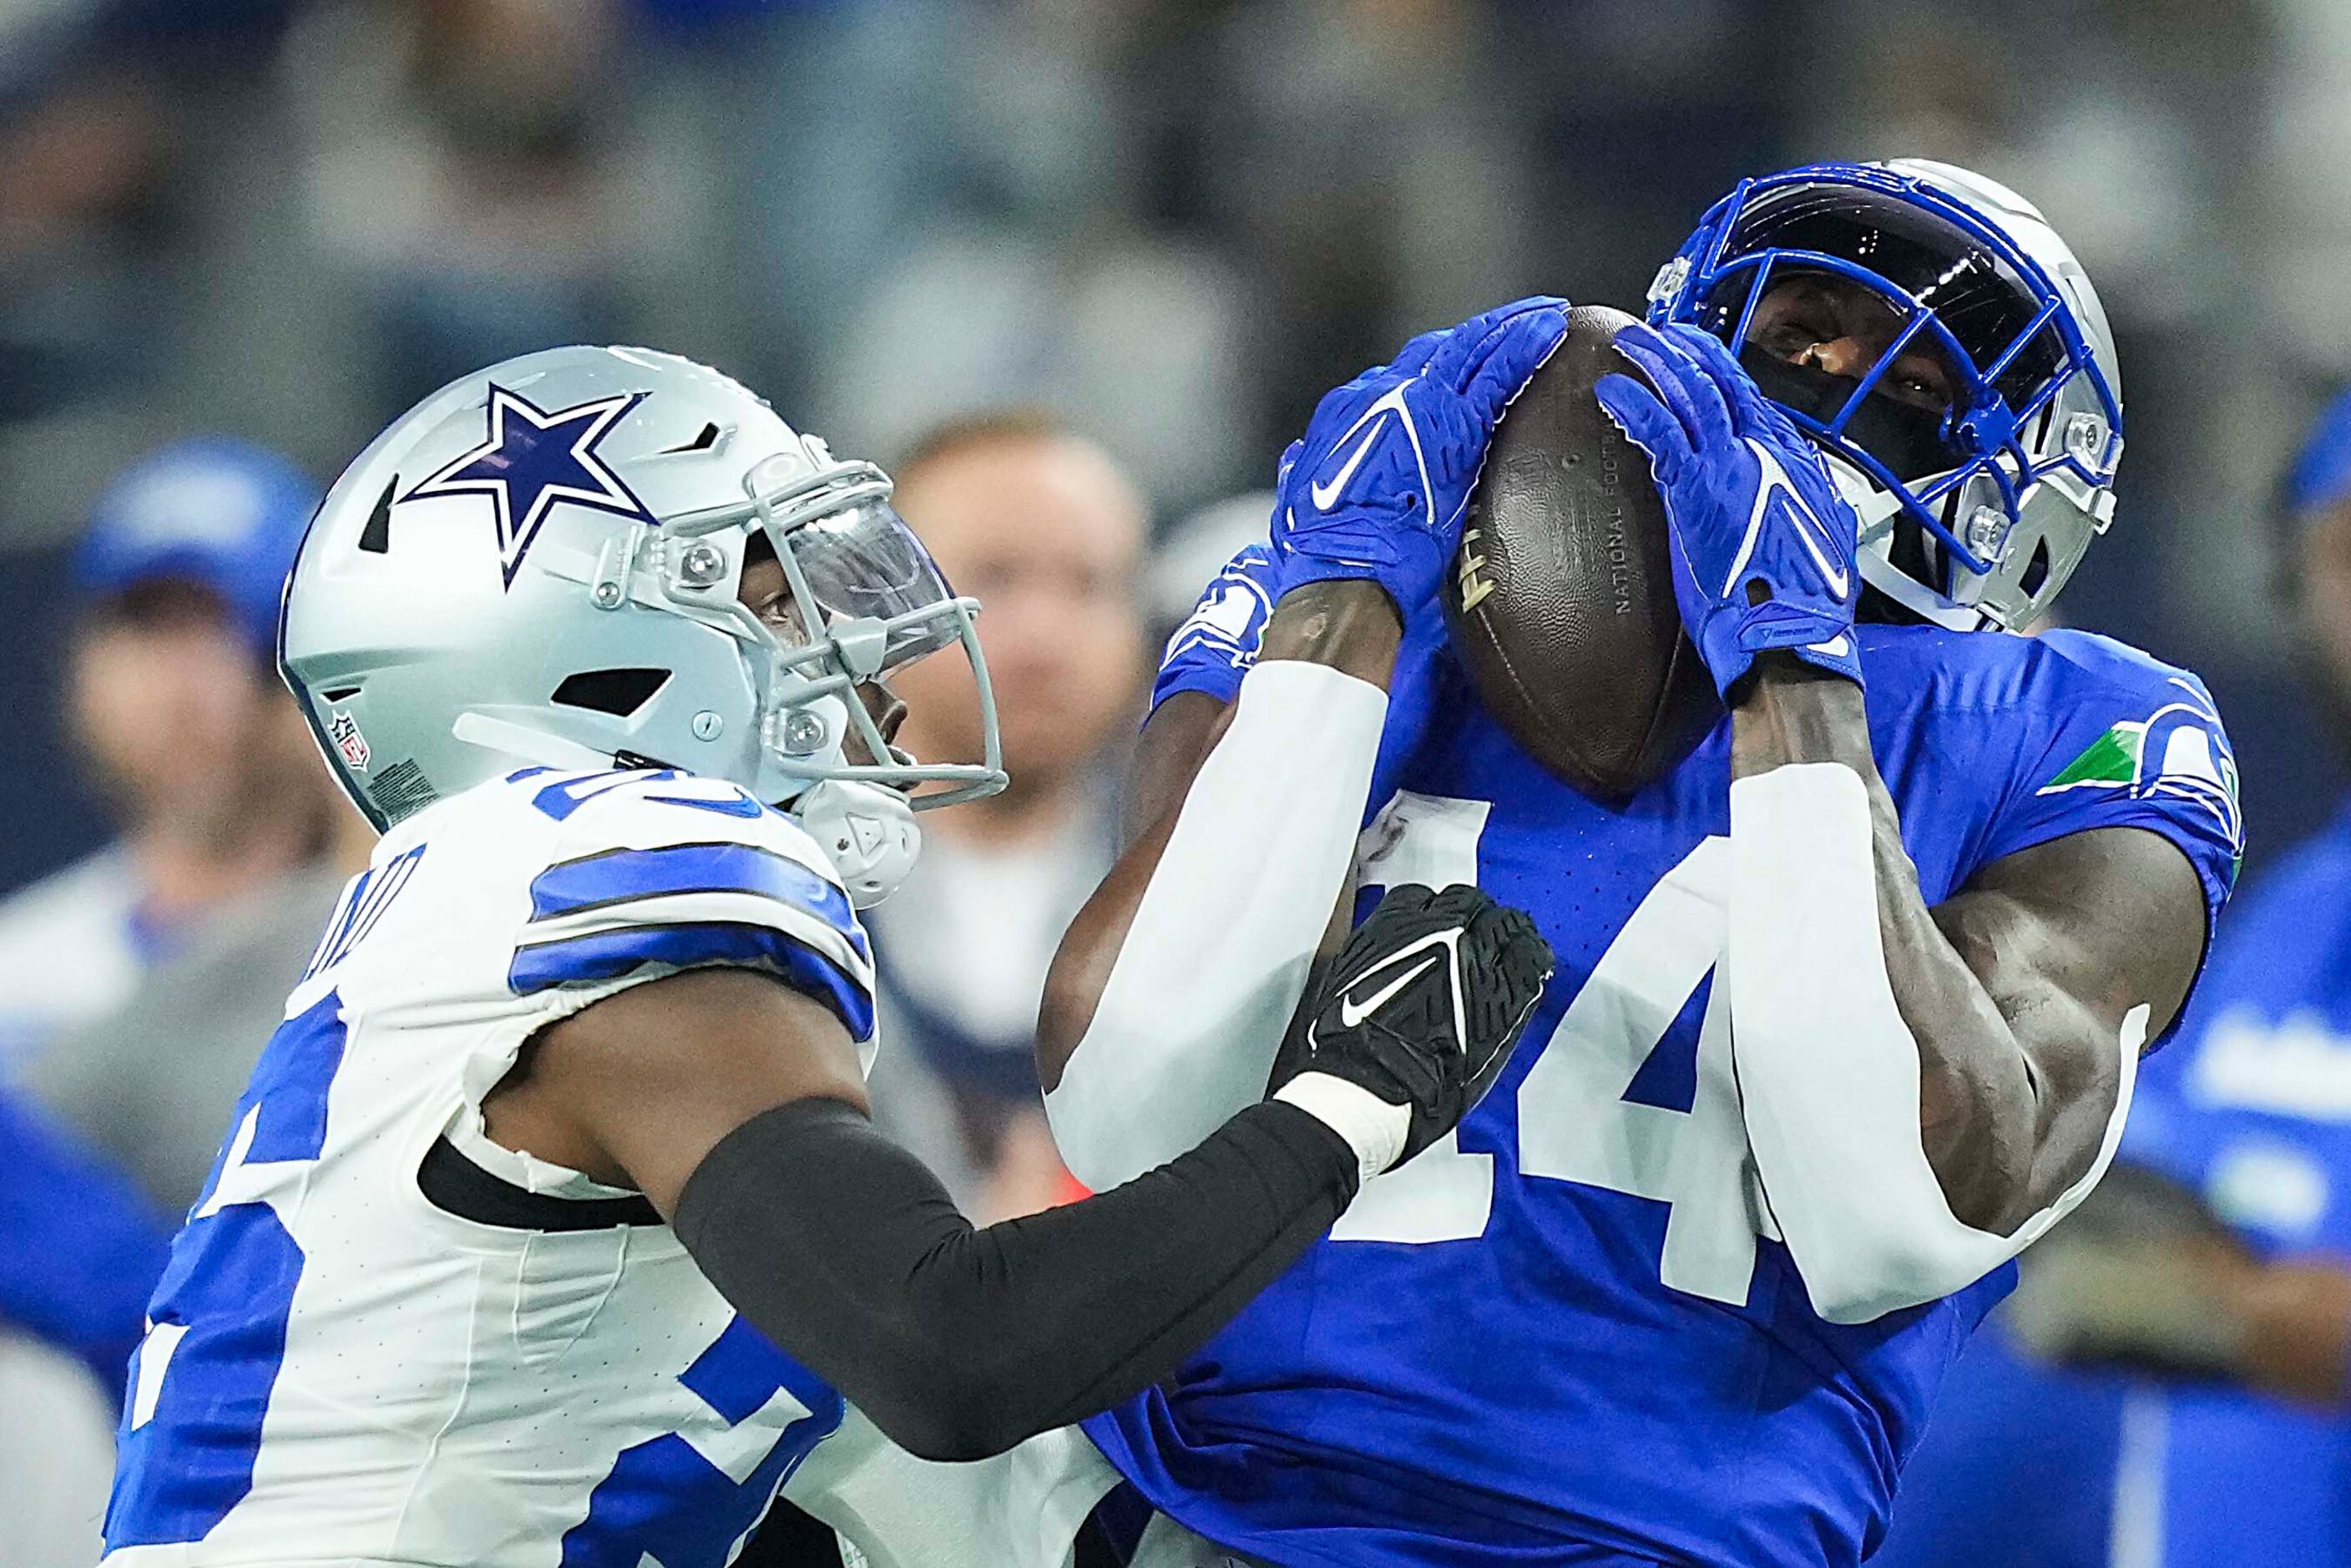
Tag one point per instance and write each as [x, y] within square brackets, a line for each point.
[221, 1312]
[666, 1501]
[607, 954]
[620, 876]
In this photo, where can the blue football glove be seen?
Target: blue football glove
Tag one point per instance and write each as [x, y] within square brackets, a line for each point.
[1763, 545]
[1377, 488]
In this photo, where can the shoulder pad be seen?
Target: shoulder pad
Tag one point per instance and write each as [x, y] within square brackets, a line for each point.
[2114, 737]
[666, 868]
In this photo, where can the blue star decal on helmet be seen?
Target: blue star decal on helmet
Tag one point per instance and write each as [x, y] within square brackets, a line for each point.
[533, 459]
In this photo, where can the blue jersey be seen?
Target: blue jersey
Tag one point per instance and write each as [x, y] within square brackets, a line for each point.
[2253, 1109]
[79, 1245]
[1568, 1331]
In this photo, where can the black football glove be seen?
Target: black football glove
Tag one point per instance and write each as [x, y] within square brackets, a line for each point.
[1422, 1006]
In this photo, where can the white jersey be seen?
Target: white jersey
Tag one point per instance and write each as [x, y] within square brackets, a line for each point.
[384, 1339]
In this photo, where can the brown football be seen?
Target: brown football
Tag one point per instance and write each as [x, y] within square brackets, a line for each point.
[1562, 603]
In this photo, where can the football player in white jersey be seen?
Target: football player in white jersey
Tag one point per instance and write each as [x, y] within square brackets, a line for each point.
[552, 1232]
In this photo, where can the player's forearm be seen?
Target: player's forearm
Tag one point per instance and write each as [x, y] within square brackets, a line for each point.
[1171, 990]
[1979, 1116]
[960, 1342]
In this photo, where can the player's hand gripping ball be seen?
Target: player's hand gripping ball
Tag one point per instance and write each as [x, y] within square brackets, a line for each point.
[1763, 545]
[1423, 1005]
[1377, 486]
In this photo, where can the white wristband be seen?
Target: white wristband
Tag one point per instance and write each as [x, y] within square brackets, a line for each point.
[1374, 1128]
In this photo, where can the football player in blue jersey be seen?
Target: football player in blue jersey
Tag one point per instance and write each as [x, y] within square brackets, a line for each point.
[550, 1231]
[1851, 999]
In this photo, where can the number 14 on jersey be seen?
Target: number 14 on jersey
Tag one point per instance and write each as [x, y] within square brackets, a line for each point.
[1573, 1120]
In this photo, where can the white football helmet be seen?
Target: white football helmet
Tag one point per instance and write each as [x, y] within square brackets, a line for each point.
[538, 564]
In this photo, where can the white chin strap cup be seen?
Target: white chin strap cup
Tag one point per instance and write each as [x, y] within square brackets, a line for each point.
[868, 830]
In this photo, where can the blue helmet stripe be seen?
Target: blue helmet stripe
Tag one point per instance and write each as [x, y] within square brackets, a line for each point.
[608, 954]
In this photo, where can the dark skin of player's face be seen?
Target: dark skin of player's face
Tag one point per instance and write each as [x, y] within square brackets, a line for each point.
[767, 594]
[1835, 325]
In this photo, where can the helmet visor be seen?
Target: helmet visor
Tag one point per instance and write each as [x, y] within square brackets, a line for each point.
[862, 562]
[1985, 311]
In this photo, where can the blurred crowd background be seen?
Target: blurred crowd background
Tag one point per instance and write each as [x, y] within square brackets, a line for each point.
[1076, 269]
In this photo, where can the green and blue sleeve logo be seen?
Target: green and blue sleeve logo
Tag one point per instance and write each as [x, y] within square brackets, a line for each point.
[2177, 752]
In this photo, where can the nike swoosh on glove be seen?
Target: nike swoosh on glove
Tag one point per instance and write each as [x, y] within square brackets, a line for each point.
[1377, 486]
[1423, 1005]
[1764, 544]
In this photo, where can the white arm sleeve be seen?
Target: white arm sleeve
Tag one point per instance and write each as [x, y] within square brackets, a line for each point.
[1829, 1074]
[1214, 963]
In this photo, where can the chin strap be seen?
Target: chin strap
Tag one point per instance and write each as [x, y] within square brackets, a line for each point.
[867, 830]
[1881, 514]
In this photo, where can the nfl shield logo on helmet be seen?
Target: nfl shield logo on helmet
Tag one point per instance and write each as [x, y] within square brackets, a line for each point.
[344, 731]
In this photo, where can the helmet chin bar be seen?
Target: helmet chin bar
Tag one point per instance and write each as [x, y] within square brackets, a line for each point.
[868, 830]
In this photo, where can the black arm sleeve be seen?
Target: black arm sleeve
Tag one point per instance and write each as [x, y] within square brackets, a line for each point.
[958, 1343]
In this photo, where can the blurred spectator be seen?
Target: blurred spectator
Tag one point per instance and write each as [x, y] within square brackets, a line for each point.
[152, 1083]
[463, 163]
[180, 723]
[1048, 534]
[80, 1248]
[2208, 1281]
[57, 1457]
[78, 160]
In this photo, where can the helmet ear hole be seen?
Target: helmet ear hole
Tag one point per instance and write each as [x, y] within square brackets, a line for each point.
[2036, 570]
[620, 692]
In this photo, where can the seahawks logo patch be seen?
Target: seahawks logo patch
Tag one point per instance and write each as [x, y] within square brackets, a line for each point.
[2176, 752]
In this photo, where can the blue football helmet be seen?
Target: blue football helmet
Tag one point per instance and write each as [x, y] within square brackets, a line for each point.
[1978, 501]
